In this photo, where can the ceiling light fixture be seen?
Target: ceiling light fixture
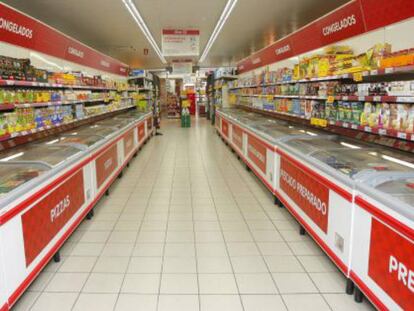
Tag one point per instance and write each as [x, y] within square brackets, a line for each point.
[129, 4]
[222, 20]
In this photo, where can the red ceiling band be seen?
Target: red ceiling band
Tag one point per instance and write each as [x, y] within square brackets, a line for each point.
[19, 29]
[351, 19]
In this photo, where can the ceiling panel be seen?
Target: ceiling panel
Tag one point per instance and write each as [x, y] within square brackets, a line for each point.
[107, 26]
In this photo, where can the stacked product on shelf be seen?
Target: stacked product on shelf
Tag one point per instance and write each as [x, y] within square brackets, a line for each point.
[61, 99]
[339, 88]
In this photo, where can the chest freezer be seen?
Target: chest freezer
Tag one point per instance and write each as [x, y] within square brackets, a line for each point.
[383, 239]
[52, 156]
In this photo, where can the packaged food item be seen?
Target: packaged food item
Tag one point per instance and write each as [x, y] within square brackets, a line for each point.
[356, 111]
[331, 110]
[403, 113]
[394, 123]
[384, 117]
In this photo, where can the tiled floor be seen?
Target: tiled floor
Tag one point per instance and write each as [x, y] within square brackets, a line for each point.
[188, 228]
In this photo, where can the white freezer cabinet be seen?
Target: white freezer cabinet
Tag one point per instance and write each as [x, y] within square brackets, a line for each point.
[382, 264]
[48, 187]
[318, 178]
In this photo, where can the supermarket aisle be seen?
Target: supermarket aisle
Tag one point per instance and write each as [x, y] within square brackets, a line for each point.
[187, 228]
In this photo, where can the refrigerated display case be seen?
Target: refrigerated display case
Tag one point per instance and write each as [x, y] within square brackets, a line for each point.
[15, 175]
[347, 194]
[383, 239]
[49, 155]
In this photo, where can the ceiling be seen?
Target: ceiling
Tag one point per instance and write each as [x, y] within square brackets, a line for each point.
[107, 26]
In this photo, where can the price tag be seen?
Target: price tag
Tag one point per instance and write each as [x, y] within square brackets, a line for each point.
[345, 124]
[354, 126]
[361, 98]
[382, 131]
[319, 122]
[389, 70]
[402, 135]
[376, 98]
[374, 72]
[344, 97]
[330, 99]
[367, 129]
[357, 76]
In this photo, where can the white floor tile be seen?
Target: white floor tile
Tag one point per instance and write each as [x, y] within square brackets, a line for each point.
[220, 303]
[141, 284]
[179, 284]
[308, 302]
[263, 303]
[178, 303]
[67, 282]
[145, 265]
[294, 283]
[256, 283]
[129, 302]
[217, 284]
[54, 301]
[103, 283]
[95, 302]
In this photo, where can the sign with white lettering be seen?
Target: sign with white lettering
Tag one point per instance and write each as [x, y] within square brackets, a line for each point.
[48, 216]
[391, 264]
[257, 152]
[106, 164]
[180, 42]
[307, 192]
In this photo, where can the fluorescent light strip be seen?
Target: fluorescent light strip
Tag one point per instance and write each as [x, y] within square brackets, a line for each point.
[222, 20]
[14, 156]
[398, 161]
[138, 19]
[350, 145]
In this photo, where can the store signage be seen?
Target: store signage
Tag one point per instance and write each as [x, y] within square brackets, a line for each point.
[47, 217]
[19, 29]
[106, 164]
[307, 192]
[182, 67]
[128, 142]
[225, 128]
[16, 28]
[237, 136]
[257, 152]
[180, 42]
[141, 131]
[76, 52]
[391, 264]
[352, 19]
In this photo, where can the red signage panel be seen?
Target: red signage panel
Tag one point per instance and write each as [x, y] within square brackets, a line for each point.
[379, 13]
[141, 131]
[354, 18]
[257, 152]
[46, 218]
[225, 127]
[237, 136]
[391, 264]
[128, 142]
[106, 164]
[307, 192]
[19, 29]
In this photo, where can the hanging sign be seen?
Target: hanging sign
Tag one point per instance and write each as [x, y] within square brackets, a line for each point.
[182, 67]
[180, 42]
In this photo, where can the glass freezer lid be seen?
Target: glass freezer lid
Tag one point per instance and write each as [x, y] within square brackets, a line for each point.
[74, 138]
[358, 161]
[117, 123]
[402, 189]
[99, 130]
[49, 154]
[14, 175]
[315, 142]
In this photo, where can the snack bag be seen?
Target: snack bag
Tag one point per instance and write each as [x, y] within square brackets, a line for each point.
[403, 112]
[374, 116]
[356, 111]
[394, 124]
[365, 115]
[384, 116]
